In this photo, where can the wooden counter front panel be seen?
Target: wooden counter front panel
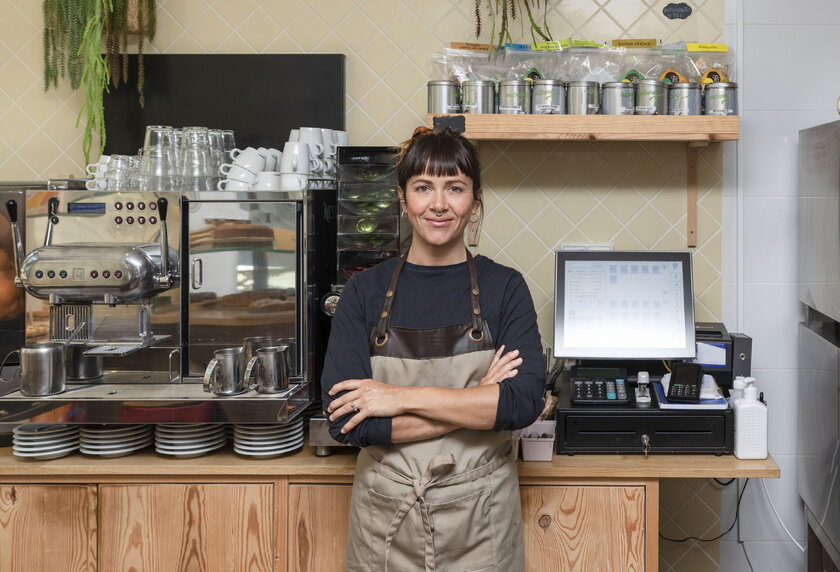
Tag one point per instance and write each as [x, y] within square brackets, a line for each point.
[318, 527]
[181, 527]
[565, 527]
[47, 528]
[584, 528]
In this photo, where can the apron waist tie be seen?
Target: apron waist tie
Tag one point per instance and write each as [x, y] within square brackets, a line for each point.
[438, 467]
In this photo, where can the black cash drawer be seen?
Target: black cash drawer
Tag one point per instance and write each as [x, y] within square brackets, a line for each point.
[619, 428]
[613, 431]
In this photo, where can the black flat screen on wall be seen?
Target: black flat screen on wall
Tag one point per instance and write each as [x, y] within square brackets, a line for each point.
[260, 96]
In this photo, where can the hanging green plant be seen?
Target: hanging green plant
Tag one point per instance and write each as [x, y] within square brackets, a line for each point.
[501, 13]
[86, 41]
[128, 18]
[94, 81]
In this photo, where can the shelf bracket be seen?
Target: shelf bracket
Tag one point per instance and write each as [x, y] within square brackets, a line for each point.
[691, 191]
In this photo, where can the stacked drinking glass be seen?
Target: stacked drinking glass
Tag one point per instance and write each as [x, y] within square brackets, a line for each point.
[185, 159]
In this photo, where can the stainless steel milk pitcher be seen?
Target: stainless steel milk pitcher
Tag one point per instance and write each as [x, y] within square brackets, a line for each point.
[270, 368]
[225, 374]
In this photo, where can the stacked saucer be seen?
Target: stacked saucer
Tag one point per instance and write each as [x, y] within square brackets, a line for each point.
[115, 440]
[266, 441]
[189, 439]
[43, 441]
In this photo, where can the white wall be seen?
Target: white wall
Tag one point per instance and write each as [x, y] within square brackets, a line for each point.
[788, 81]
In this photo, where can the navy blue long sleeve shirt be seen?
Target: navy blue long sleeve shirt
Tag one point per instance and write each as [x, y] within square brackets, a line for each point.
[432, 297]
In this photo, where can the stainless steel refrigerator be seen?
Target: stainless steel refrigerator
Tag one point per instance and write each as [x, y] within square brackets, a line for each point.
[818, 254]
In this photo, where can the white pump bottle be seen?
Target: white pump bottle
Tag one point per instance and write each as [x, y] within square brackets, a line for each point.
[737, 391]
[750, 425]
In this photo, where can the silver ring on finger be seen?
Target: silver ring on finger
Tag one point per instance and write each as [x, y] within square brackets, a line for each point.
[353, 405]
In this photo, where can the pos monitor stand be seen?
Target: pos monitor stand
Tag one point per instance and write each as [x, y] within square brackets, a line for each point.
[625, 305]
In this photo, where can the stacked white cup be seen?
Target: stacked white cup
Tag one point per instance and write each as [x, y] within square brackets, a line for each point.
[242, 172]
[314, 139]
[295, 167]
[97, 171]
[310, 153]
[323, 146]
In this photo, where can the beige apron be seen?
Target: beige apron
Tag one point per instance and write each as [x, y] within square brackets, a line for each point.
[450, 503]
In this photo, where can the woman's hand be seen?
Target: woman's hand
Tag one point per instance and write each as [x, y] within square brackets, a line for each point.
[502, 367]
[367, 398]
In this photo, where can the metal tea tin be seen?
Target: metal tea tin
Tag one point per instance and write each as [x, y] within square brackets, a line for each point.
[721, 98]
[548, 97]
[478, 96]
[618, 98]
[684, 99]
[583, 97]
[515, 96]
[651, 97]
[444, 96]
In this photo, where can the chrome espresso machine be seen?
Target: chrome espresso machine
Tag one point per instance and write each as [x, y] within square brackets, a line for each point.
[163, 301]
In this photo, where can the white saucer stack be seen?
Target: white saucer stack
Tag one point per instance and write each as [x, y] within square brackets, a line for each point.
[43, 441]
[267, 441]
[189, 439]
[115, 440]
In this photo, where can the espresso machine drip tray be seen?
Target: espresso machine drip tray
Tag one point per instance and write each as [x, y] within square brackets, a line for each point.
[119, 349]
[139, 398]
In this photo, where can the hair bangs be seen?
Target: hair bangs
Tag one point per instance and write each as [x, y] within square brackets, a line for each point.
[440, 154]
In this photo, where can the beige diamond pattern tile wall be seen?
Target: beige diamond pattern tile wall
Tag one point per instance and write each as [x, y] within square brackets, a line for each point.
[381, 12]
[596, 202]
[624, 11]
[538, 195]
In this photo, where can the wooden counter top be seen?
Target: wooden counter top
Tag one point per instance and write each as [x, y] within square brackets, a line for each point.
[226, 463]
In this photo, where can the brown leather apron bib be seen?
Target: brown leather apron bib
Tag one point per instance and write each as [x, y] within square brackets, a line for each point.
[444, 504]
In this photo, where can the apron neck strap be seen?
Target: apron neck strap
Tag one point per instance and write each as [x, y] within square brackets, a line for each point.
[475, 306]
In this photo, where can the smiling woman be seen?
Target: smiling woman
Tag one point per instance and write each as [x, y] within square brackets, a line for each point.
[440, 193]
[420, 376]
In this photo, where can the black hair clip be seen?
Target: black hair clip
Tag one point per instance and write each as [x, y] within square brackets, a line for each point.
[456, 123]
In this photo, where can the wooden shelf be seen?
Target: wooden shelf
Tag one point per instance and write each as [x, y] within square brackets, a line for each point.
[697, 128]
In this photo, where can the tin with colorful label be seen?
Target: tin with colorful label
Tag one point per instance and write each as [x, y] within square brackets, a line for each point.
[721, 98]
[515, 96]
[584, 97]
[548, 97]
[618, 98]
[651, 97]
[478, 96]
[444, 96]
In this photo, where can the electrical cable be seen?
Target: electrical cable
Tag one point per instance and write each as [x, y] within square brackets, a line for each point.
[739, 541]
[722, 534]
[667, 367]
[779, 518]
[746, 554]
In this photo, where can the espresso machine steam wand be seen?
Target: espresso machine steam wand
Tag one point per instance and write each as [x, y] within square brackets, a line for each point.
[165, 279]
[17, 251]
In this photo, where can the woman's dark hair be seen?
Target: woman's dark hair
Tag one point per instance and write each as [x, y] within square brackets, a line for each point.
[439, 153]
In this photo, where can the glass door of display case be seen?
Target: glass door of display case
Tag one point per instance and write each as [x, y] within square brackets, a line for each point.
[244, 274]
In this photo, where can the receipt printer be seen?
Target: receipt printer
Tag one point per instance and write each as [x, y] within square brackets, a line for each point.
[722, 354]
